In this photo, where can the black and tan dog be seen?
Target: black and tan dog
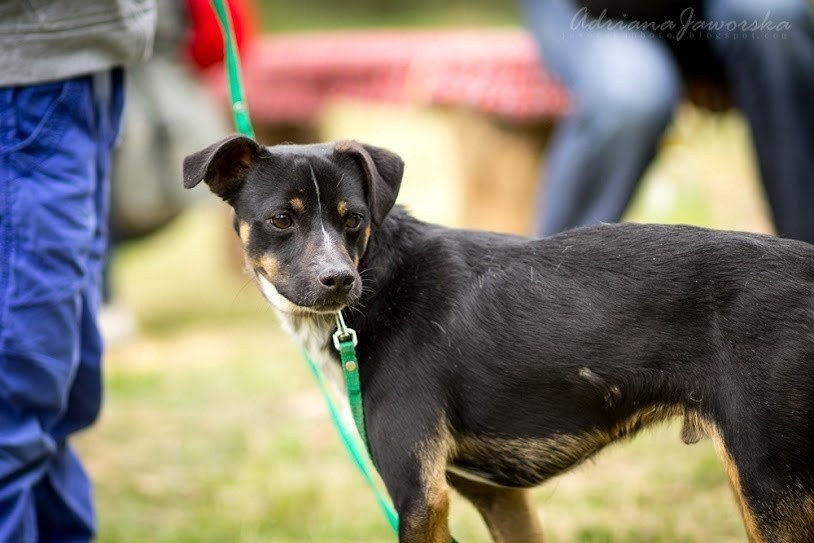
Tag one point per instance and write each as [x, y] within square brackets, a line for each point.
[491, 363]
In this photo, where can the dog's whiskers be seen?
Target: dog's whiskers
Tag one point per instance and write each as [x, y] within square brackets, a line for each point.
[240, 290]
[369, 271]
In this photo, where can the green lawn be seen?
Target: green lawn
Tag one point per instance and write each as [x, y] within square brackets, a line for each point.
[304, 15]
[213, 431]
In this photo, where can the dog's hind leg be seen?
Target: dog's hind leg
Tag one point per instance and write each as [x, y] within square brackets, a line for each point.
[508, 512]
[782, 510]
[776, 506]
[750, 522]
[794, 519]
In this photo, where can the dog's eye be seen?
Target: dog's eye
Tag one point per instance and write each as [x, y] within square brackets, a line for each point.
[353, 221]
[281, 221]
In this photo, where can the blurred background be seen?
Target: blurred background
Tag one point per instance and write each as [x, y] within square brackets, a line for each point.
[212, 428]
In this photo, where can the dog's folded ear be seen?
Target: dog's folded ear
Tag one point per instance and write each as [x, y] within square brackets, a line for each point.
[383, 170]
[222, 165]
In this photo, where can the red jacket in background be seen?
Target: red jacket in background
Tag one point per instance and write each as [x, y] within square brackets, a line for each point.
[204, 43]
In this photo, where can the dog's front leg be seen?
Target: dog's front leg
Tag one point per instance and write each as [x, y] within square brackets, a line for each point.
[423, 518]
[414, 472]
[421, 496]
[508, 512]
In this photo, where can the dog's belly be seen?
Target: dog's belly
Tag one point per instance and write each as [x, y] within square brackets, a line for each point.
[523, 462]
[529, 461]
[479, 477]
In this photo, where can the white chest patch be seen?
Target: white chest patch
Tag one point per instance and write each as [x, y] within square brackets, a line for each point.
[311, 332]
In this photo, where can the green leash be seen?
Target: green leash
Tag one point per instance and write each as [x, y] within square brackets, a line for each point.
[345, 342]
[345, 338]
[240, 111]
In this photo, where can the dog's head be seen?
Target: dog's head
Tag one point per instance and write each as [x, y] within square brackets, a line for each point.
[304, 213]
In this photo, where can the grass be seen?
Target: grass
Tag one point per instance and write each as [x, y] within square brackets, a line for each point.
[305, 15]
[213, 431]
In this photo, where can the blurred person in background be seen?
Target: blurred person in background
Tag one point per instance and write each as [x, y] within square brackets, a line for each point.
[61, 97]
[169, 114]
[625, 63]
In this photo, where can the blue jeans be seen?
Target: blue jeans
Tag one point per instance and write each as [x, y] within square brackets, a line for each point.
[625, 86]
[55, 143]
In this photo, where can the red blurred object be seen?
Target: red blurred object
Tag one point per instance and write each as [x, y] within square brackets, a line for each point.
[289, 78]
[204, 43]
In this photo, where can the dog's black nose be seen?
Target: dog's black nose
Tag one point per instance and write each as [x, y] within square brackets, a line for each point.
[337, 281]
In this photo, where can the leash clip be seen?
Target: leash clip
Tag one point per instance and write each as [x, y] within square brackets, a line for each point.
[343, 334]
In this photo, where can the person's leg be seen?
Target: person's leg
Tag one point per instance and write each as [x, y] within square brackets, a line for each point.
[49, 180]
[61, 517]
[624, 88]
[772, 78]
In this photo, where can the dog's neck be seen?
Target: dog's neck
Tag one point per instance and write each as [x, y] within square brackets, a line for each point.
[312, 333]
[390, 244]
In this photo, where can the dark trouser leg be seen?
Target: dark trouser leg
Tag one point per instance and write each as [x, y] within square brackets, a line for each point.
[772, 78]
[53, 169]
[624, 88]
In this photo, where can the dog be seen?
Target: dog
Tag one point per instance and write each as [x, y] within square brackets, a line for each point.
[491, 363]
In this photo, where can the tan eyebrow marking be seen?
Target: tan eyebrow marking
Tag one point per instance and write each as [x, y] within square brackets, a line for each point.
[297, 205]
[365, 238]
[342, 208]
